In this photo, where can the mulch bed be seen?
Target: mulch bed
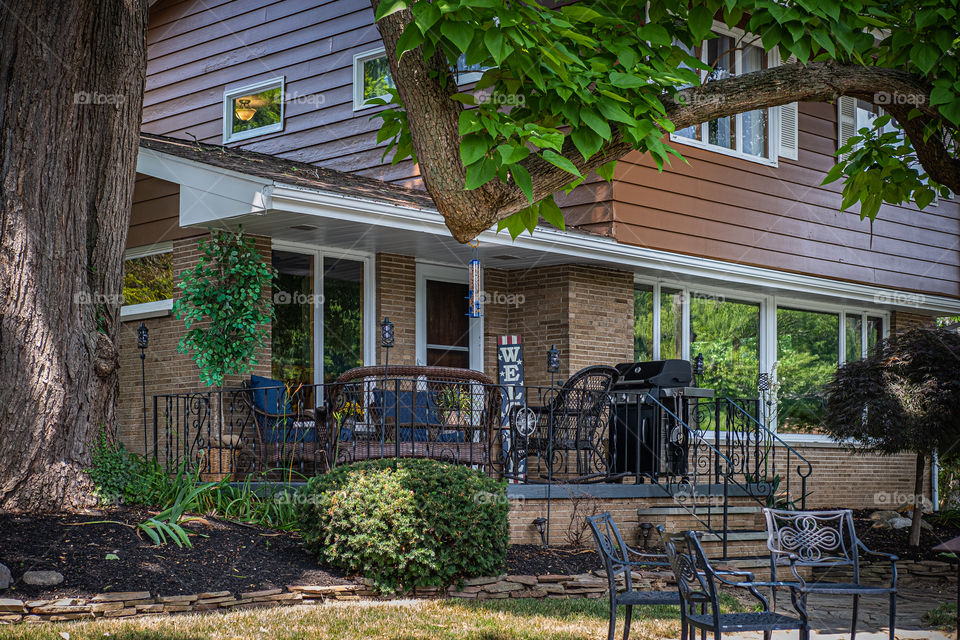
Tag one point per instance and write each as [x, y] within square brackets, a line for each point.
[233, 557]
[895, 541]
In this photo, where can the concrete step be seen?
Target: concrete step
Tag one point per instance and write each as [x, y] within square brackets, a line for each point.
[669, 511]
[735, 536]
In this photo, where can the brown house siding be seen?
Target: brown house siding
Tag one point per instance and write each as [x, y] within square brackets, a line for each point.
[155, 214]
[196, 50]
[732, 209]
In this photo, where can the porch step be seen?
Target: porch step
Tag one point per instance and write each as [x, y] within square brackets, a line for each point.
[670, 511]
[735, 536]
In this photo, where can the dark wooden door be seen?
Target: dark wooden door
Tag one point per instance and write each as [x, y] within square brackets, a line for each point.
[448, 327]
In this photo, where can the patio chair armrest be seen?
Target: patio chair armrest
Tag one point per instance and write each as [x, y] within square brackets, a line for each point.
[646, 554]
[794, 559]
[730, 572]
[882, 554]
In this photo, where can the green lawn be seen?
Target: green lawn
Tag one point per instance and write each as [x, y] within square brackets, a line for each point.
[443, 619]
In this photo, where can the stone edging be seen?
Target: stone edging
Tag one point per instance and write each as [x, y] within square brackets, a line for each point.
[908, 571]
[144, 603]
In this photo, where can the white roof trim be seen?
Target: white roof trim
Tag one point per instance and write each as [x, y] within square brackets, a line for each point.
[210, 188]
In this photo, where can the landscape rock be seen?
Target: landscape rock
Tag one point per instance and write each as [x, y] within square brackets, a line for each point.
[5, 577]
[884, 516]
[899, 523]
[43, 578]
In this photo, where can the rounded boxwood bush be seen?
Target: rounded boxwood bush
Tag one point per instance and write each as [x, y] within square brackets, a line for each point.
[407, 523]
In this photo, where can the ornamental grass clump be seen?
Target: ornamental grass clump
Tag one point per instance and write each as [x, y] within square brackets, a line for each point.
[406, 523]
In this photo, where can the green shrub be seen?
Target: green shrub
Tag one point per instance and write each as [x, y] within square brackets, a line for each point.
[120, 476]
[406, 523]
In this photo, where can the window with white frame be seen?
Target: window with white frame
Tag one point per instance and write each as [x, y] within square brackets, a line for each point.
[148, 279]
[253, 110]
[372, 79]
[730, 330]
[760, 135]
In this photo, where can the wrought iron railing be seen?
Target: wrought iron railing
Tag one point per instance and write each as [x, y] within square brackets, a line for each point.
[698, 451]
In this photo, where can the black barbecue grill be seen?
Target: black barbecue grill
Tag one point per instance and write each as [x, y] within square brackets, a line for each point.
[645, 440]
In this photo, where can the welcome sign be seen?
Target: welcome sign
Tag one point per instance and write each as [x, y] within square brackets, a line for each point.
[510, 377]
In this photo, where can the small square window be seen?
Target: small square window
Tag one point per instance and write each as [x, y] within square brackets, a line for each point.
[148, 278]
[253, 110]
[371, 78]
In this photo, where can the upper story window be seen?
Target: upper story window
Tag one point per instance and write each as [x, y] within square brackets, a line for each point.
[253, 110]
[372, 79]
[759, 135]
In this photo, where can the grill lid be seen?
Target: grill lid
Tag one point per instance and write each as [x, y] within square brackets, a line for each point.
[656, 373]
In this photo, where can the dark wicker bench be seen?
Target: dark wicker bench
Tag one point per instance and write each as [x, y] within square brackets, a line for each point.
[441, 413]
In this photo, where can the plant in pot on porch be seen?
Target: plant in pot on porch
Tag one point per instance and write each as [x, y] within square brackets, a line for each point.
[224, 301]
[455, 404]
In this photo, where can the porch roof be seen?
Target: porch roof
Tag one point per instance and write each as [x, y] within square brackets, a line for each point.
[297, 202]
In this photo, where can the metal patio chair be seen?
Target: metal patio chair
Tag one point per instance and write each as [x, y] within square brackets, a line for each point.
[616, 560]
[697, 582]
[825, 539]
[576, 417]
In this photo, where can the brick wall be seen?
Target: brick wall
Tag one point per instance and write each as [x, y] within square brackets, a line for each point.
[167, 370]
[601, 317]
[900, 320]
[397, 299]
[542, 320]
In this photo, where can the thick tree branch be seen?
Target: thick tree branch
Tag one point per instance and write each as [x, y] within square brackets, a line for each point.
[425, 88]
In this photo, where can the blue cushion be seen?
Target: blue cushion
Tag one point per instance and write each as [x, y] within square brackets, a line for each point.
[419, 435]
[346, 435]
[400, 406]
[451, 436]
[280, 433]
[271, 397]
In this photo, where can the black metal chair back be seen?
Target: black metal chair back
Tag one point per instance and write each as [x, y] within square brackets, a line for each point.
[613, 550]
[692, 570]
[814, 538]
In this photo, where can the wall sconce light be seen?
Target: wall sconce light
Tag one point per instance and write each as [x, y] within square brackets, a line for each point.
[541, 525]
[245, 112]
[386, 333]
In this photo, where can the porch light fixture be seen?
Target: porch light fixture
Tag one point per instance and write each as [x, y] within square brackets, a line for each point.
[763, 382]
[386, 333]
[541, 525]
[697, 368]
[143, 340]
[245, 112]
[553, 359]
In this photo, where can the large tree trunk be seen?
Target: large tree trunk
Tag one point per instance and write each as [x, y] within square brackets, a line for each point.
[71, 92]
[917, 502]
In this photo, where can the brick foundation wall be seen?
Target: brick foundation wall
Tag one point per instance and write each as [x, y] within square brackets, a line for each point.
[167, 370]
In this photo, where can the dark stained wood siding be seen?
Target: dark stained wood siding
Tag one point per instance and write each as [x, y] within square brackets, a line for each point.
[155, 214]
[197, 49]
[782, 218]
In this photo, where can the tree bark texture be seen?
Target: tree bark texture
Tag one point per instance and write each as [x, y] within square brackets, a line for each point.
[433, 120]
[71, 91]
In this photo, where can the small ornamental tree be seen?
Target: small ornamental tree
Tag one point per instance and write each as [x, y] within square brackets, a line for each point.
[225, 306]
[904, 397]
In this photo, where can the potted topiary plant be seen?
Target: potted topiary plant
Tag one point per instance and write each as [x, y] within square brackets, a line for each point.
[455, 403]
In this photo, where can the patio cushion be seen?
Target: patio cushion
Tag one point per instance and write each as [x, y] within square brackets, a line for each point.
[408, 407]
[269, 400]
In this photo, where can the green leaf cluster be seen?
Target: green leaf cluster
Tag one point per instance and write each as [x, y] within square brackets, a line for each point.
[407, 523]
[122, 477]
[594, 72]
[225, 306]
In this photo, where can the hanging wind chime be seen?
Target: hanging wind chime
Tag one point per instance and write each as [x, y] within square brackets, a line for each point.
[474, 295]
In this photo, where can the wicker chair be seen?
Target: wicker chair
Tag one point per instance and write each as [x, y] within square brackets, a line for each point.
[442, 413]
[286, 436]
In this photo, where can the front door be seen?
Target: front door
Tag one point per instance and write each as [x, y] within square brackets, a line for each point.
[446, 336]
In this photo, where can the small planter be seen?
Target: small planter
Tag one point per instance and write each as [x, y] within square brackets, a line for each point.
[220, 463]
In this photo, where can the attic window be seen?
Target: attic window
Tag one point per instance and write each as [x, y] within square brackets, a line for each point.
[253, 110]
[371, 78]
